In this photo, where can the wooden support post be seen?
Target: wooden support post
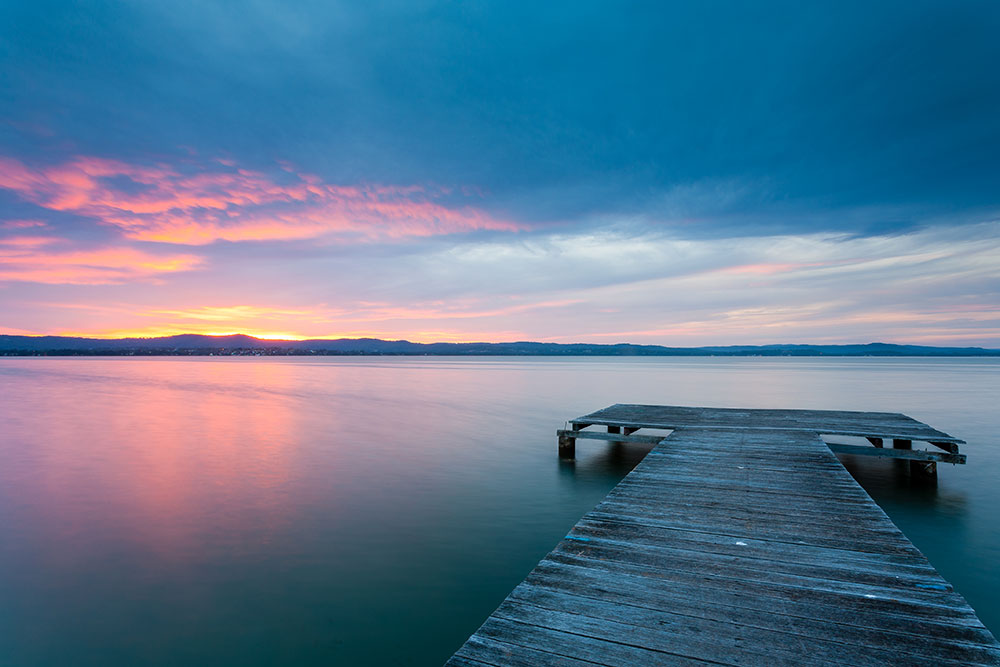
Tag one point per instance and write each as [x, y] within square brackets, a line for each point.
[876, 441]
[567, 446]
[925, 470]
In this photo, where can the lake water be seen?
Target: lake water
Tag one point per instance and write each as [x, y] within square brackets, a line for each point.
[374, 511]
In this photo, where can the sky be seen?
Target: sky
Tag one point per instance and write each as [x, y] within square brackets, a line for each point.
[698, 173]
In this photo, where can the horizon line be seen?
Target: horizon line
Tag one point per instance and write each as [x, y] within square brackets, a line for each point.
[276, 340]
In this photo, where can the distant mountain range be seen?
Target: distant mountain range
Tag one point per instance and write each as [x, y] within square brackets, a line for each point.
[239, 344]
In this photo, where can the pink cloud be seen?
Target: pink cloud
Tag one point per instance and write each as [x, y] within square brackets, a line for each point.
[44, 260]
[223, 202]
[440, 310]
[21, 224]
[26, 241]
[767, 269]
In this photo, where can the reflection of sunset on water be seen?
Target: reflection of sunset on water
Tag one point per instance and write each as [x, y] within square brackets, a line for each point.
[176, 452]
[191, 510]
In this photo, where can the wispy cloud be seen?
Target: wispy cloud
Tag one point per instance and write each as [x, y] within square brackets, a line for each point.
[217, 200]
[21, 224]
[364, 319]
[41, 259]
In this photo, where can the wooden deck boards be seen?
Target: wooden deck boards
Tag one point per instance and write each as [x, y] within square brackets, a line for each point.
[736, 546]
[833, 422]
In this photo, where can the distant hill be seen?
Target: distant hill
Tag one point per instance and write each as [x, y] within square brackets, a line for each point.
[196, 344]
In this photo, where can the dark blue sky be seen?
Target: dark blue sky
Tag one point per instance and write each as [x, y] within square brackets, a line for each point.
[652, 123]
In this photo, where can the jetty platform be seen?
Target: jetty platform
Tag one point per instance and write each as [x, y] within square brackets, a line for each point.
[740, 539]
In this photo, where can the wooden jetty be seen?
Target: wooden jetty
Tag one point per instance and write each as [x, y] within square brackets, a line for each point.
[740, 539]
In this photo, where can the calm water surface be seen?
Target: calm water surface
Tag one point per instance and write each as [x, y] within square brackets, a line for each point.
[371, 511]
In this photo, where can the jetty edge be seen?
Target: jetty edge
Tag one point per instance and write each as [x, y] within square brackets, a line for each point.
[740, 539]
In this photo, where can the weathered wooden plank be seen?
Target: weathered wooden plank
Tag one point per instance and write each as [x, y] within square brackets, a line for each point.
[694, 480]
[858, 430]
[911, 454]
[728, 641]
[834, 422]
[691, 495]
[771, 560]
[739, 539]
[737, 572]
[710, 620]
[615, 437]
[718, 514]
[777, 517]
[764, 600]
[869, 625]
[946, 446]
[672, 636]
[634, 533]
[722, 484]
[576, 645]
[480, 650]
[778, 588]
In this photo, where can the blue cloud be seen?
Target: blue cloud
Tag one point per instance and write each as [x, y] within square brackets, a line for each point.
[560, 112]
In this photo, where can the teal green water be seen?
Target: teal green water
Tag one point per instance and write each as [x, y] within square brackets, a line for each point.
[373, 511]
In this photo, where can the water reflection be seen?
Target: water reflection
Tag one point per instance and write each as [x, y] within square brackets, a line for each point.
[287, 511]
[607, 461]
[156, 468]
[891, 481]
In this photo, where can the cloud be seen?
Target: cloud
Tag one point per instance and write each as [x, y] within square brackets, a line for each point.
[939, 284]
[21, 224]
[648, 286]
[48, 260]
[359, 319]
[426, 323]
[233, 315]
[219, 201]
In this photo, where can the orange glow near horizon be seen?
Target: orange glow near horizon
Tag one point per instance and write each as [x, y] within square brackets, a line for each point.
[472, 322]
[421, 323]
[695, 334]
[164, 331]
[160, 332]
[415, 337]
